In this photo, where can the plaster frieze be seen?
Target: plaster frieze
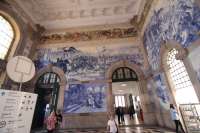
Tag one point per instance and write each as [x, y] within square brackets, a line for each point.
[114, 33]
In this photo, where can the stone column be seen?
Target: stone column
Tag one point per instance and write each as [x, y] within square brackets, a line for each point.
[61, 96]
[110, 101]
[147, 107]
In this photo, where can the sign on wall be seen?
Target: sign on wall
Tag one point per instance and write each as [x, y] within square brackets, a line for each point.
[16, 111]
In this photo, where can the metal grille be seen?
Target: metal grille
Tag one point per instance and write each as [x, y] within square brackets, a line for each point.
[183, 87]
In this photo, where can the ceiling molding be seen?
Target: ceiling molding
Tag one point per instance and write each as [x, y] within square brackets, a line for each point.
[67, 13]
[114, 33]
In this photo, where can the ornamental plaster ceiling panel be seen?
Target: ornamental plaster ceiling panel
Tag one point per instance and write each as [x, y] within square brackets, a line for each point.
[76, 13]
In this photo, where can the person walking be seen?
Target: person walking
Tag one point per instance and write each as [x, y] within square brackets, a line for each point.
[131, 112]
[118, 115]
[175, 117]
[51, 122]
[122, 115]
[112, 125]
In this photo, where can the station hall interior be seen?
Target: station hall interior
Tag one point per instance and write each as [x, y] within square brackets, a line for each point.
[97, 59]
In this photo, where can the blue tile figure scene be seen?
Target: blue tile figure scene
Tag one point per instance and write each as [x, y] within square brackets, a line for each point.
[161, 90]
[85, 98]
[151, 90]
[78, 65]
[179, 22]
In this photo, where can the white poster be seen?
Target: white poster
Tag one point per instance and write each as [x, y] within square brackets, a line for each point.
[16, 111]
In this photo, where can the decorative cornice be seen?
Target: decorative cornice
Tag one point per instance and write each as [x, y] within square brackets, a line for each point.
[114, 33]
[140, 23]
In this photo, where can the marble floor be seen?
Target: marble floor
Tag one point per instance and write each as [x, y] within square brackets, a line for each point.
[130, 126]
[122, 130]
[128, 121]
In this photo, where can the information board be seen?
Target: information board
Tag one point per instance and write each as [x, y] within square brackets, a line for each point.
[16, 111]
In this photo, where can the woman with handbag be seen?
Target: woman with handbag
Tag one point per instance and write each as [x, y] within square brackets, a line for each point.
[112, 125]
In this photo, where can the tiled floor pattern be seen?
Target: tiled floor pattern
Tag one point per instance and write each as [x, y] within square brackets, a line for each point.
[122, 130]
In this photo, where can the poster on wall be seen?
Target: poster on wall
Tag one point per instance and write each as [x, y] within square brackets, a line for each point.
[194, 57]
[16, 111]
[85, 98]
[161, 90]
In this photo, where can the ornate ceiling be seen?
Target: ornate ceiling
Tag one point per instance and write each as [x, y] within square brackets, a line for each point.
[57, 14]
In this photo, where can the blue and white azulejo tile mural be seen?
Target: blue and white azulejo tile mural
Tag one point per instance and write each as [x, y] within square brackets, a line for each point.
[162, 90]
[85, 98]
[179, 22]
[79, 65]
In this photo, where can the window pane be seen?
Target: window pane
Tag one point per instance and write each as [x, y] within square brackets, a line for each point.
[6, 36]
[120, 101]
[123, 101]
[116, 101]
[183, 87]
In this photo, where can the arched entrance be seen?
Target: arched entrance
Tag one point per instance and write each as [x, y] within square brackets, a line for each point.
[49, 76]
[125, 89]
[47, 88]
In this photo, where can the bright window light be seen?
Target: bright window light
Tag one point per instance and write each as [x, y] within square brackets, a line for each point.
[119, 101]
[184, 90]
[6, 37]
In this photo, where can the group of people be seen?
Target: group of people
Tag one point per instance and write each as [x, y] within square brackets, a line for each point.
[113, 128]
[53, 121]
[120, 113]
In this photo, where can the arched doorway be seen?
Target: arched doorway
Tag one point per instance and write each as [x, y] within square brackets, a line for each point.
[125, 89]
[47, 87]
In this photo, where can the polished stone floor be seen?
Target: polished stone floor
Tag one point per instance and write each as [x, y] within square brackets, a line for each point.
[122, 130]
[129, 126]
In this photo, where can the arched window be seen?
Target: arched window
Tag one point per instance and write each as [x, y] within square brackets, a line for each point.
[124, 74]
[184, 91]
[6, 36]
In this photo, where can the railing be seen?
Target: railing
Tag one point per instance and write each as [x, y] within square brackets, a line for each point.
[191, 117]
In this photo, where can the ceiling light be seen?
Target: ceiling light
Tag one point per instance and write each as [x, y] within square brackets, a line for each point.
[123, 84]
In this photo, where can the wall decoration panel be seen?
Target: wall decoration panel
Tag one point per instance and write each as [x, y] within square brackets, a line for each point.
[85, 98]
[180, 22]
[162, 90]
[81, 65]
[151, 90]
